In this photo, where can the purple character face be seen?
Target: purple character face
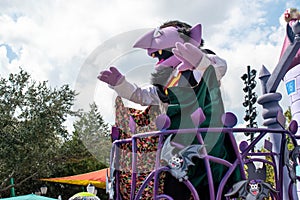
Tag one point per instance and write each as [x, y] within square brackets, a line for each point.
[160, 41]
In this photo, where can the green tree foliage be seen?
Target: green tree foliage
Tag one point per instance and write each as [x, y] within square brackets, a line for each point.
[31, 127]
[35, 143]
[73, 158]
[87, 148]
[94, 133]
[85, 151]
[288, 115]
[270, 176]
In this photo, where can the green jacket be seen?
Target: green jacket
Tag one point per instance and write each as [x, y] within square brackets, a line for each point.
[184, 99]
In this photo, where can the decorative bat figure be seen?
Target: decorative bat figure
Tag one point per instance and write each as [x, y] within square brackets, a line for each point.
[179, 162]
[251, 190]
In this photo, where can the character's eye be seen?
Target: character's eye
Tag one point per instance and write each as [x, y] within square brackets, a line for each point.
[253, 186]
[157, 32]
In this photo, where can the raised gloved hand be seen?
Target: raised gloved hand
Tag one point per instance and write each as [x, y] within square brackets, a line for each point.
[112, 76]
[189, 55]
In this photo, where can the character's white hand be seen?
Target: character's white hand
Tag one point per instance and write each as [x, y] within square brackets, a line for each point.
[189, 55]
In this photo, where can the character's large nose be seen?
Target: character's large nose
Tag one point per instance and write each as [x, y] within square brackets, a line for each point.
[145, 41]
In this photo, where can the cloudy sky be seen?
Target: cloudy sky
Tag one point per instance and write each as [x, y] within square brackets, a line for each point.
[70, 42]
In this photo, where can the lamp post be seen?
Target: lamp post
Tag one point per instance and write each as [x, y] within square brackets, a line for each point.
[43, 190]
[250, 99]
[12, 189]
[90, 188]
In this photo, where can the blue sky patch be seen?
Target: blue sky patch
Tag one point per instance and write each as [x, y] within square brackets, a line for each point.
[10, 54]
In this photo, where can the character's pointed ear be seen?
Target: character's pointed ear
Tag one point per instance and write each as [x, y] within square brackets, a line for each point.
[196, 35]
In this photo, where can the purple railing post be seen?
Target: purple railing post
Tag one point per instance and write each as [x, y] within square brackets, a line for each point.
[199, 117]
[134, 168]
[157, 165]
[162, 123]
[229, 120]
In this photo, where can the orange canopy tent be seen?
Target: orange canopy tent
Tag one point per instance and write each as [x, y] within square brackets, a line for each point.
[97, 178]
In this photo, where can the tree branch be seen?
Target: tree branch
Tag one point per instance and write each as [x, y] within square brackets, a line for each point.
[9, 176]
[18, 184]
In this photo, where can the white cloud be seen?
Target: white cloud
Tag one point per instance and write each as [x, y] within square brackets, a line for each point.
[70, 42]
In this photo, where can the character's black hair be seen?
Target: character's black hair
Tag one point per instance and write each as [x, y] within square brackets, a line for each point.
[183, 28]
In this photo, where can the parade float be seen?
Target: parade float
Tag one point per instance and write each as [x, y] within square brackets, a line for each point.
[188, 150]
